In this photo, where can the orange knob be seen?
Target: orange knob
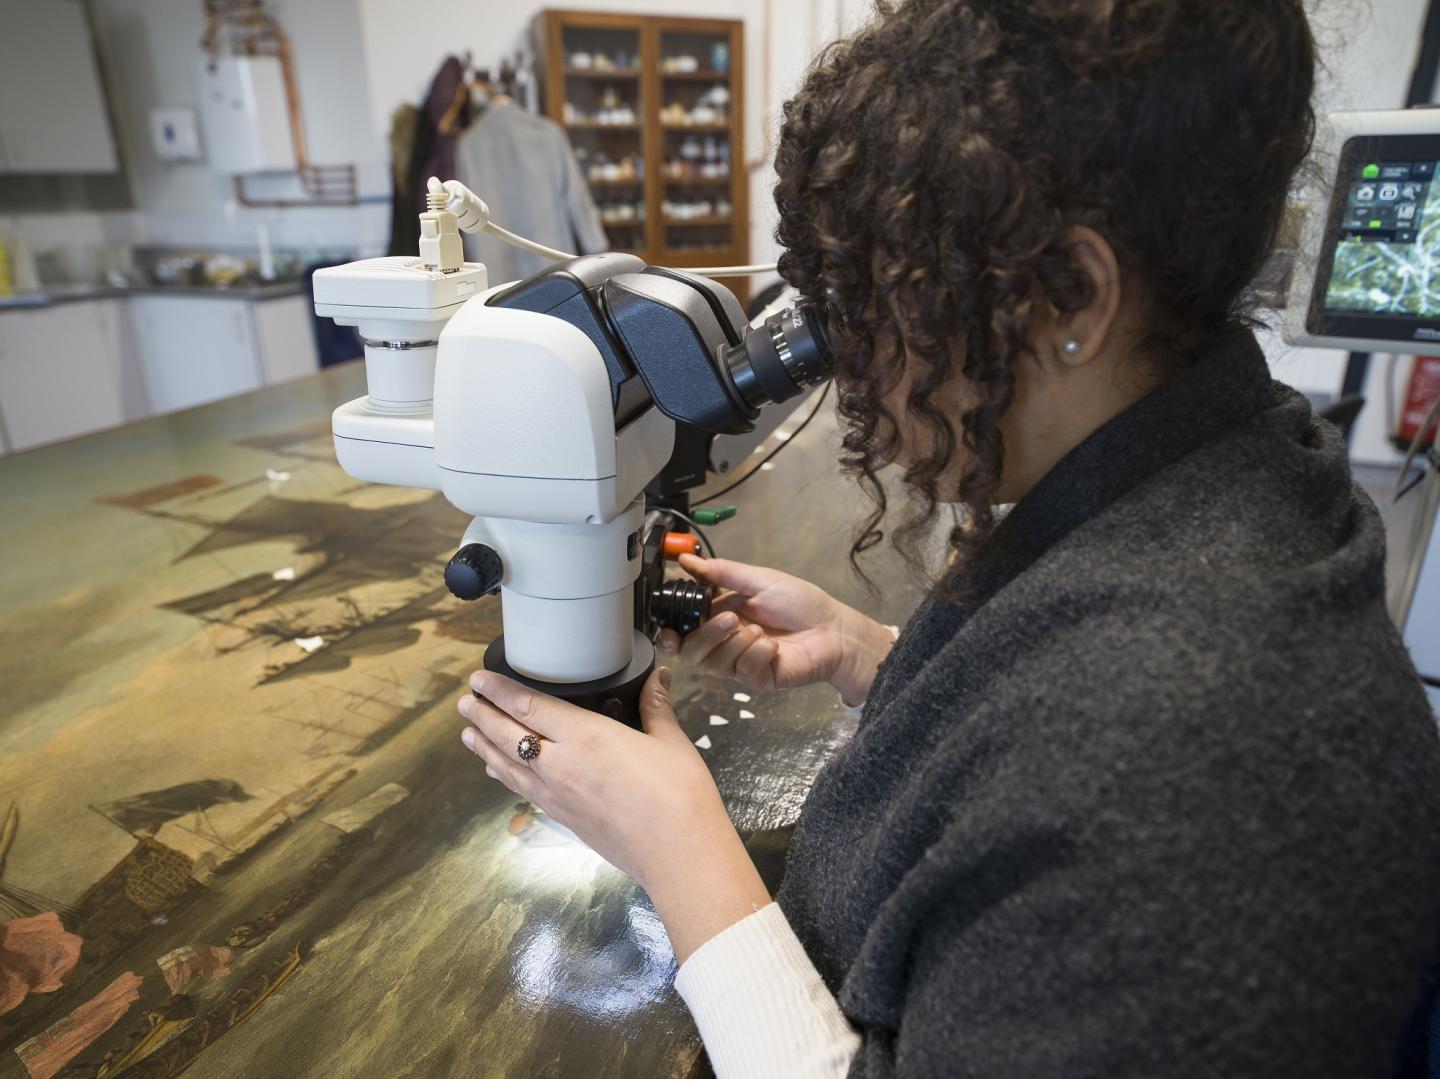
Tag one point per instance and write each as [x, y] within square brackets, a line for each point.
[678, 543]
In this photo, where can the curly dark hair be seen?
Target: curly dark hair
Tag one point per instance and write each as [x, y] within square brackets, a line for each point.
[932, 163]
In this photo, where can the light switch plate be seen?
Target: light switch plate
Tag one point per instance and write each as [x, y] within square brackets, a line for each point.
[175, 134]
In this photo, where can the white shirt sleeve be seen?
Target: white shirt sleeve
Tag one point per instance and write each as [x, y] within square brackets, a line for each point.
[856, 709]
[761, 1006]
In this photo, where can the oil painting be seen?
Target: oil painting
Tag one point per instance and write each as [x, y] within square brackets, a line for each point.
[237, 830]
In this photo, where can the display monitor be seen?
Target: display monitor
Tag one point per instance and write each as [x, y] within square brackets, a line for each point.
[1367, 276]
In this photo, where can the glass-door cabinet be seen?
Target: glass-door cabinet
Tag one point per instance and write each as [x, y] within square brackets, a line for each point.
[654, 108]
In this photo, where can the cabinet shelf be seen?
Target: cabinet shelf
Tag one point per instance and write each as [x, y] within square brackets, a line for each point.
[709, 75]
[711, 219]
[596, 73]
[594, 125]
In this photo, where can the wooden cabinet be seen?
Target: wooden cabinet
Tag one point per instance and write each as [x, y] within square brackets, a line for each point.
[63, 373]
[53, 117]
[654, 107]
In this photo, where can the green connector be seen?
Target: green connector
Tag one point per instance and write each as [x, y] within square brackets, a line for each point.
[714, 516]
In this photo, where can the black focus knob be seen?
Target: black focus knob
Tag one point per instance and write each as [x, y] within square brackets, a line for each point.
[680, 605]
[475, 571]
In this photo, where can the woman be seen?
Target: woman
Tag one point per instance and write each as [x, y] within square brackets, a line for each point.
[1148, 785]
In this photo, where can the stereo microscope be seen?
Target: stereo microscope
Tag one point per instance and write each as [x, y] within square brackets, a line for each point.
[544, 409]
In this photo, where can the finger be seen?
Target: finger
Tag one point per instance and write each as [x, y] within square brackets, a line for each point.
[544, 715]
[757, 665]
[707, 638]
[523, 781]
[729, 601]
[721, 661]
[736, 576]
[497, 727]
[657, 714]
[668, 641]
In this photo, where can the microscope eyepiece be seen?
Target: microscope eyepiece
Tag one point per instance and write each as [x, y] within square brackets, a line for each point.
[782, 357]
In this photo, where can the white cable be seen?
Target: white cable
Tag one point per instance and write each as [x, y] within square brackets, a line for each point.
[526, 245]
[730, 271]
[474, 216]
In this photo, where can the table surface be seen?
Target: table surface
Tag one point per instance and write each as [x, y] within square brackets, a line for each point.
[213, 641]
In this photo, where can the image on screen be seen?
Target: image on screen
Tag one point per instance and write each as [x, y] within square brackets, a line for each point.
[1387, 250]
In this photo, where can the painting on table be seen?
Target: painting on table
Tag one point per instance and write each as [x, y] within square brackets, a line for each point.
[229, 766]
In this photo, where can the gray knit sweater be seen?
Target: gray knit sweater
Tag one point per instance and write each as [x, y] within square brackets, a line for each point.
[1163, 799]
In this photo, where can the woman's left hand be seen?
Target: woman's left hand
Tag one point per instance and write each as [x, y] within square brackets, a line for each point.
[643, 801]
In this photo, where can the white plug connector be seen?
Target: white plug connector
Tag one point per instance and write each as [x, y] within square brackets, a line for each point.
[469, 208]
[440, 245]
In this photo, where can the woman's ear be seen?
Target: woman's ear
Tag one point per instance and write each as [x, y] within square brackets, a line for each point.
[1075, 338]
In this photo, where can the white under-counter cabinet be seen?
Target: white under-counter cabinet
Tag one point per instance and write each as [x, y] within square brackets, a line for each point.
[65, 371]
[195, 349]
[285, 332]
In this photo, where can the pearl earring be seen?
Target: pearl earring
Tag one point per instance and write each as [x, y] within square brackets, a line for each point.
[1072, 347]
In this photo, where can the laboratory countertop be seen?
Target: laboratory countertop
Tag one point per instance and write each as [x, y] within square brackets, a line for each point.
[230, 761]
[59, 294]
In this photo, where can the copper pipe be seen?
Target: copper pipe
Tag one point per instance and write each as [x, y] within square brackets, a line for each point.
[261, 35]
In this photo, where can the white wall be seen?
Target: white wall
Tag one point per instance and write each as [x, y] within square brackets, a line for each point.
[1368, 50]
[359, 59]
[403, 50]
[151, 49]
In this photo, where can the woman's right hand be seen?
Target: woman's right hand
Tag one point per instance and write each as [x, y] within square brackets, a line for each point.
[769, 630]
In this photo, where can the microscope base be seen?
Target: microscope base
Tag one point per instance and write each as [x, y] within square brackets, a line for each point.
[617, 696]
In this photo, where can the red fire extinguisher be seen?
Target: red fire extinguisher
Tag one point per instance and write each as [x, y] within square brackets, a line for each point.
[1424, 388]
